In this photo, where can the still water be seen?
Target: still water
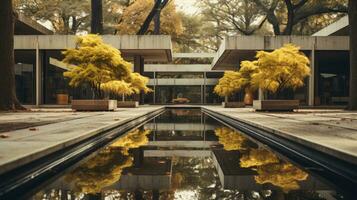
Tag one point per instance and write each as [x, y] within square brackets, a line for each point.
[184, 154]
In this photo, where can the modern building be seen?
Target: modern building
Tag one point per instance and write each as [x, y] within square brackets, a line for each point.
[39, 70]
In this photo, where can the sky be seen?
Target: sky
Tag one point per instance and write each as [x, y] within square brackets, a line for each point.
[187, 6]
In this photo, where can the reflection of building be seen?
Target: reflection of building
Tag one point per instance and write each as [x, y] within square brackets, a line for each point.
[40, 81]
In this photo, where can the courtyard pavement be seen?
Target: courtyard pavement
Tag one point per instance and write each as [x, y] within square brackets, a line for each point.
[331, 131]
[27, 136]
[49, 130]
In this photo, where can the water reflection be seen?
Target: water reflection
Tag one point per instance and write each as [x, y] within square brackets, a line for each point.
[184, 154]
[269, 167]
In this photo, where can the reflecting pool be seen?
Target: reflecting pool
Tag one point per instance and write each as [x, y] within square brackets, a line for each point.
[184, 154]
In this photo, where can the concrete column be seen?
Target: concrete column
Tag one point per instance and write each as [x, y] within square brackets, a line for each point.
[260, 94]
[139, 68]
[38, 78]
[204, 87]
[154, 92]
[311, 89]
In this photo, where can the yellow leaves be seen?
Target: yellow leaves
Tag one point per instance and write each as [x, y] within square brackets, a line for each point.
[133, 139]
[258, 157]
[283, 175]
[272, 170]
[138, 83]
[105, 169]
[101, 66]
[232, 81]
[230, 139]
[117, 87]
[228, 84]
[136, 13]
[273, 71]
[285, 67]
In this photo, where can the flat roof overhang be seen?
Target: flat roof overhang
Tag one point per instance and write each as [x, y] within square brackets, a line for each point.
[26, 26]
[235, 49]
[156, 48]
[340, 27]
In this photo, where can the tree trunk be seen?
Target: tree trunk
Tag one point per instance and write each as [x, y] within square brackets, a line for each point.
[97, 17]
[8, 100]
[156, 9]
[352, 12]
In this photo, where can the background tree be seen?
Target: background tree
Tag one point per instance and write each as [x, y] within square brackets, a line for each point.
[135, 15]
[154, 12]
[65, 16]
[237, 16]
[72, 17]
[284, 15]
[96, 17]
[8, 100]
[352, 12]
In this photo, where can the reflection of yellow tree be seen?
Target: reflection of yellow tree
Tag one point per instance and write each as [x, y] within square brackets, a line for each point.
[101, 171]
[105, 168]
[258, 157]
[272, 170]
[133, 139]
[230, 139]
[284, 175]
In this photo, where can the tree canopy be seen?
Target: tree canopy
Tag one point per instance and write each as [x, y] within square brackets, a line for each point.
[282, 68]
[102, 67]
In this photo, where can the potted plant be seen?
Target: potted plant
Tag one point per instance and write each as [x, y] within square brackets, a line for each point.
[94, 63]
[62, 97]
[280, 69]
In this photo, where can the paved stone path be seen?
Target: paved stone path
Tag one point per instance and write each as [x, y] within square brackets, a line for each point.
[331, 131]
[25, 145]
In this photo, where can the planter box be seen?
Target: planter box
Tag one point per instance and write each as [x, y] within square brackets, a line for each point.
[94, 105]
[275, 105]
[233, 104]
[128, 104]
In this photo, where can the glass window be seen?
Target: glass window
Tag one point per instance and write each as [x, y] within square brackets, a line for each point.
[56, 85]
[332, 77]
[179, 75]
[166, 94]
[25, 77]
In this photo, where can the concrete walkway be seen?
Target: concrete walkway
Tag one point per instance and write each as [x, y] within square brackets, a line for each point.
[331, 131]
[60, 129]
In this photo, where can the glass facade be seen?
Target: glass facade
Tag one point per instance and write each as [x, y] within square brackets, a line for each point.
[331, 82]
[332, 78]
[166, 94]
[56, 85]
[25, 65]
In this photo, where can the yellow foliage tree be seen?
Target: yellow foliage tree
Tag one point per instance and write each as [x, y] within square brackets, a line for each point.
[232, 81]
[93, 62]
[101, 66]
[138, 83]
[228, 84]
[282, 68]
[230, 139]
[136, 13]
